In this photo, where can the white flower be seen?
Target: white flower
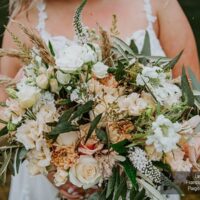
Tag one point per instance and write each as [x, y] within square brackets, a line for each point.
[28, 96]
[29, 134]
[73, 57]
[148, 73]
[39, 159]
[42, 81]
[85, 173]
[63, 78]
[13, 111]
[133, 104]
[165, 134]
[68, 139]
[100, 70]
[167, 94]
[47, 113]
[60, 177]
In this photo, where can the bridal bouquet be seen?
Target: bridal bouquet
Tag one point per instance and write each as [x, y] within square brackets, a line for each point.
[101, 113]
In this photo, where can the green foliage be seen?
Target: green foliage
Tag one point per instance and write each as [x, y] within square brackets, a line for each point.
[78, 25]
[146, 49]
[51, 49]
[3, 131]
[120, 147]
[93, 126]
[173, 62]
[63, 127]
[130, 171]
[186, 89]
[111, 183]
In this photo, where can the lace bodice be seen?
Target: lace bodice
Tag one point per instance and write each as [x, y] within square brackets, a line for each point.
[138, 36]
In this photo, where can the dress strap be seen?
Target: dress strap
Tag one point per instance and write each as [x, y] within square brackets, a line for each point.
[150, 17]
[42, 17]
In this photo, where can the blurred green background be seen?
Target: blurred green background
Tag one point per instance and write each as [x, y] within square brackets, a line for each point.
[192, 11]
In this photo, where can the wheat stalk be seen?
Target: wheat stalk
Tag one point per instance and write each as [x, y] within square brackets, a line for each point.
[38, 42]
[114, 30]
[105, 47]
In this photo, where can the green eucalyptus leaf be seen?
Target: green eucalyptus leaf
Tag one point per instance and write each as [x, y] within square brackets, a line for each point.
[120, 188]
[51, 48]
[3, 131]
[111, 183]
[146, 50]
[120, 147]
[66, 115]
[186, 89]
[102, 136]
[62, 128]
[120, 71]
[82, 110]
[133, 46]
[123, 45]
[195, 82]
[7, 158]
[130, 171]
[93, 126]
[173, 62]
[140, 195]
[19, 157]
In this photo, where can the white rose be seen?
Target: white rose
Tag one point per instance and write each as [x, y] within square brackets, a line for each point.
[60, 177]
[69, 59]
[28, 96]
[68, 139]
[85, 173]
[63, 78]
[42, 81]
[100, 70]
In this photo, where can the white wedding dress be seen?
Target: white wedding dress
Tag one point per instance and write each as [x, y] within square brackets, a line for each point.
[25, 187]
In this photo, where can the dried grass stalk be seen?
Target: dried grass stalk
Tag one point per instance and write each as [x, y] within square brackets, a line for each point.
[4, 80]
[37, 41]
[26, 58]
[106, 47]
[114, 30]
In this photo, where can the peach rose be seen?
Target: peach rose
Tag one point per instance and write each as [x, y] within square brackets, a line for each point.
[91, 147]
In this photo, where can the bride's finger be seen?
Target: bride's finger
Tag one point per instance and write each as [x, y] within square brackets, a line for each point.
[73, 196]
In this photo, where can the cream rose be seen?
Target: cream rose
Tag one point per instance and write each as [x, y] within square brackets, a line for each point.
[100, 70]
[68, 139]
[42, 81]
[85, 173]
[28, 96]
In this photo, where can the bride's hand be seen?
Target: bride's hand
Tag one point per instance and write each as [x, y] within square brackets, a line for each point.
[68, 190]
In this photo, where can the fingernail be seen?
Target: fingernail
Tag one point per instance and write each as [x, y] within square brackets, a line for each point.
[70, 190]
[75, 193]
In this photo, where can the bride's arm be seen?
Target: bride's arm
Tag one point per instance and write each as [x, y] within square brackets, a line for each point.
[175, 35]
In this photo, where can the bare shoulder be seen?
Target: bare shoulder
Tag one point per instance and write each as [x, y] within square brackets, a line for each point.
[160, 5]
